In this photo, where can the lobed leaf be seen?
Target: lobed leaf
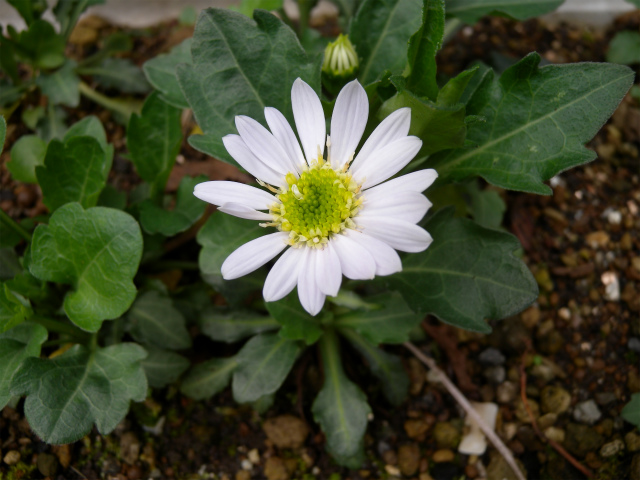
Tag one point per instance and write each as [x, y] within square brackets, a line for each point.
[208, 378]
[41, 45]
[467, 275]
[163, 367]
[470, 11]
[537, 121]
[97, 251]
[66, 395]
[20, 342]
[380, 32]
[119, 73]
[12, 311]
[263, 364]
[154, 320]
[234, 325]
[240, 66]
[161, 73]
[62, 86]
[296, 323]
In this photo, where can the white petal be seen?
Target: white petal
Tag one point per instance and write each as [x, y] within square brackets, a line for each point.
[247, 160]
[284, 134]
[283, 276]
[328, 271]
[386, 258]
[407, 206]
[253, 255]
[392, 128]
[311, 298]
[264, 145]
[386, 161]
[401, 235]
[309, 117]
[242, 211]
[356, 262]
[349, 118]
[221, 192]
[411, 182]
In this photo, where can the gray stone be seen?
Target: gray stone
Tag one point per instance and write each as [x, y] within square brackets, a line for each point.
[605, 398]
[496, 374]
[506, 392]
[587, 412]
[491, 356]
[634, 344]
[612, 448]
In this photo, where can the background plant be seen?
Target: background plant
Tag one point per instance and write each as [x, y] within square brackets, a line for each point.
[84, 280]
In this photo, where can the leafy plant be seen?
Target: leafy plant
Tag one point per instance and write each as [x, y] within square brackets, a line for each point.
[86, 277]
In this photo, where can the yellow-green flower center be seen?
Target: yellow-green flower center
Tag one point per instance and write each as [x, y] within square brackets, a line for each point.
[316, 205]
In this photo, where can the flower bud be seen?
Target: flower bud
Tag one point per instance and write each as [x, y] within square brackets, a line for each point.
[340, 64]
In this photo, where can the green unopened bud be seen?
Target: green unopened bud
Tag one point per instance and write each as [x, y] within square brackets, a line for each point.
[340, 63]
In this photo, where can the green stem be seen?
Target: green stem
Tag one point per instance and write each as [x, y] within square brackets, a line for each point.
[117, 105]
[93, 342]
[451, 27]
[15, 226]
[329, 344]
[61, 327]
[304, 7]
[174, 265]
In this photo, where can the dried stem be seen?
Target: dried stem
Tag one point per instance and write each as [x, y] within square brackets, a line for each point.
[464, 403]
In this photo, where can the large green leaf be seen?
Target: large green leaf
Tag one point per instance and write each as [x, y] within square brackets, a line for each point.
[12, 311]
[187, 211]
[263, 364]
[41, 45]
[61, 86]
[240, 66]
[467, 275]
[97, 251]
[27, 154]
[119, 73]
[234, 325]
[247, 7]
[340, 408]
[208, 378]
[66, 395]
[470, 11]
[296, 323]
[154, 320]
[154, 140]
[220, 236]
[423, 46]
[91, 126]
[163, 367]
[387, 367]
[537, 122]
[380, 31]
[391, 323]
[74, 171]
[161, 73]
[15, 345]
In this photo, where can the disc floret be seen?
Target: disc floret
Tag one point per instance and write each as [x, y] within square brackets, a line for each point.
[318, 204]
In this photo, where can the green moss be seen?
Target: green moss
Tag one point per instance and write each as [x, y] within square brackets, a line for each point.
[19, 471]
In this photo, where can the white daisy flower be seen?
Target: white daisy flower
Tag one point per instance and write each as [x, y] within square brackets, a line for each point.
[333, 216]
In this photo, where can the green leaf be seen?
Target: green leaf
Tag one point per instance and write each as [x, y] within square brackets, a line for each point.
[68, 11]
[485, 206]
[61, 86]
[263, 364]
[52, 124]
[470, 11]
[24, 8]
[634, 2]
[161, 73]
[163, 367]
[387, 367]
[91, 126]
[97, 251]
[423, 46]
[380, 31]
[119, 73]
[15, 345]
[9, 261]
[624, 48]
[41, 45]
[631, 411]
[296, 323]
[340, 408]
[206, 379]
[73, 171]
[12, 310]
[3, 132]
[240, 66]
[68, 394]
[154, 320]
[187, 211]
[537, 122]
[247, 7]
[112, 197]
[154, 140]
[467, 275]
[220, 236]
[28, 286]
[391, 323]
[234, 325]
[27, 154]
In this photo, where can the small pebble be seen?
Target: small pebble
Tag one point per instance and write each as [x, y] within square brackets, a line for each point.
[12, 457]
[611, 286]
[634, 344]
[392, 470]
[632, 440]
[496, 374]
[612, 448]
[254, 456]
[506, 392]
[554, 433]
[443, 455]
[587, 412]
[491, 356]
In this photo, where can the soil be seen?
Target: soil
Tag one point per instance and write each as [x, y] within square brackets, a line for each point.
[578, 345]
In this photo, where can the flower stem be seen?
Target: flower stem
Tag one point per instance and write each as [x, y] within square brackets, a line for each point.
[61, 327]
[15, 226]
[304, 7]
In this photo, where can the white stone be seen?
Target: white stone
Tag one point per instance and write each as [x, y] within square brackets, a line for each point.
[474, 442]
